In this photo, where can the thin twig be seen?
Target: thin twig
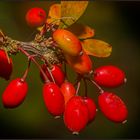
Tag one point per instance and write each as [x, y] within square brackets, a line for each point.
[78, 87]
[51, 75]
[65, 71]
[78, 78]
[27, 54]
[85, 86]
[26, 71]
[100, 89]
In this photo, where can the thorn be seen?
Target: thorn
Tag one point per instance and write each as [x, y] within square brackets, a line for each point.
[57, 117]
[75, 133]
[124, 121]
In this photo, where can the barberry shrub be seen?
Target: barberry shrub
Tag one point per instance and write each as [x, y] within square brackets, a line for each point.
[59, 43]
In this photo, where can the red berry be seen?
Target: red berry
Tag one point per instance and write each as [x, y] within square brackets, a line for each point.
[113, 107]
[109, 76]
[76, 114]
[56, 72]
[68, 42]
[53, 99]
[68, 91]
[15, 93]
[81, 64]
[91, 108]
[5, 66]
[35, 17]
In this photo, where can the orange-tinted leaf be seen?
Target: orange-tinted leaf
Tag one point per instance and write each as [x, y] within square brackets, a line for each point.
[54, 13]
[81, 31]
[72, 10]
[96, 47]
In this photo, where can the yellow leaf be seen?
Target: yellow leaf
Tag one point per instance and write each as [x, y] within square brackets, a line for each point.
[96, 47]
[81, 31]
[54, 14]
[71, 11]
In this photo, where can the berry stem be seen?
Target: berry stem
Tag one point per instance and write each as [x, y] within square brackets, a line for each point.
[93, 82]
[85, 85]
[26, 71]
[51, 74]
[28, 55]
[49, 66]
[78, 87]
[7, 56]
[65, 70]
[78, 79]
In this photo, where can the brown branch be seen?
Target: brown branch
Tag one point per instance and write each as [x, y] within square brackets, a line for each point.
[44, 50]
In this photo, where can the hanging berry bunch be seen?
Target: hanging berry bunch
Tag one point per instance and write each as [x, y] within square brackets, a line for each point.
[69, 43]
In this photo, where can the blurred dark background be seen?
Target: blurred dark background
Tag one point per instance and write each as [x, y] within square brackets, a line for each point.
[116, 22]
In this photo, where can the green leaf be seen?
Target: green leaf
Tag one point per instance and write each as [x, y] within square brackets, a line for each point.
[71, 11]
[81, 31]
[96, 47]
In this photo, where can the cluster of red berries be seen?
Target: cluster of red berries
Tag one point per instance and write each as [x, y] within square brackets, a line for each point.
[60, 96]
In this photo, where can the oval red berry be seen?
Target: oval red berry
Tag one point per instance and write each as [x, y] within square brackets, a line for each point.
[81, 64]
[53, 99]
[113, 107]
[76, 114]
[91, 108]
[5, 66]
[68, 91]
[15, 93]
[109, 76]
[56, 72]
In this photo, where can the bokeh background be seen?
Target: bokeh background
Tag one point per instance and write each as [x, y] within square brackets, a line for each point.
[116, 22]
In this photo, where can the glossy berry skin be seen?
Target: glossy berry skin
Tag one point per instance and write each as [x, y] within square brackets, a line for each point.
[56, 72]
[53, 99]
[80, 64]
[76, 114]
[35, 17]
[109, 76]
[68, 42]
[5, 66]
[14, 93]
[91, 108]
[113, 107]
[68, 91]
